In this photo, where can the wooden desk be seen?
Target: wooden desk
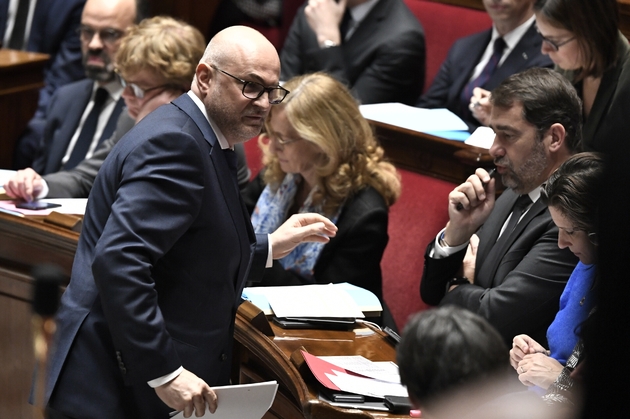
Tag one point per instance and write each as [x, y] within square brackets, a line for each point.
[25, 242]
[21, 77]
[422, 153]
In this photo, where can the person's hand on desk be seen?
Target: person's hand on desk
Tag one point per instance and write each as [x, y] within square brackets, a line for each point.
[300, 228]
[480, 105]
[27, 184]
[188, 393]
[469, 205]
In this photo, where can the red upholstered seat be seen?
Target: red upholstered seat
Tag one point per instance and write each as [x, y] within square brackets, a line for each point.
[444, 24]
[418, 215]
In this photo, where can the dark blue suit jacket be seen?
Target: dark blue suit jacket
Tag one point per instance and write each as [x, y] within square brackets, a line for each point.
[462, 59]
[53, 31]
[383, 61]
[165, 250]
[64, 114]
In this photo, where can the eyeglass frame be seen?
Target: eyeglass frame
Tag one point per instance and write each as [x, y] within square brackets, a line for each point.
[554, 45]
[262, 92]
[111, 36]
[280, 140]
[137, 89]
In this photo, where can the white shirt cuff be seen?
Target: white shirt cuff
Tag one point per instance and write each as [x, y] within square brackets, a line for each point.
[165, 378]
[44, 192]
[269, 263]
[439, 252]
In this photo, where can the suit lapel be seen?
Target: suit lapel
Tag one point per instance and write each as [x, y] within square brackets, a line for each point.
[526, 48]
[467, 64]
[492, 227]
[4, 11]
[112, 121]
[229, 189]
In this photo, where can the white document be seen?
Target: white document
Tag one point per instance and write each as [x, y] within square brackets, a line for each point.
[366, 386]
[317, 300]
[383, 371]
[412, 118]
[74, 206]
[244, 401]
[483, 137]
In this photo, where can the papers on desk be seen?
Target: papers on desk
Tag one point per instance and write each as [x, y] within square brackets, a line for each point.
[245, 401]
[438, 122]
[356, 376]
[483, 137]
[75, 206]
[318, 300]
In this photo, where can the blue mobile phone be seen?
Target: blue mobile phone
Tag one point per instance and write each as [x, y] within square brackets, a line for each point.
[36, 205]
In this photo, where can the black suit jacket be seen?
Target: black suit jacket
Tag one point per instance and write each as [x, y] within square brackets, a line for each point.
[461, 61]
[353, 255]
[64, 115]
[165, 250]
[521, 292]
[383, 61]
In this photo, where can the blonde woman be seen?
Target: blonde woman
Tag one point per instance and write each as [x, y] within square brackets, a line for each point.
[321, 156]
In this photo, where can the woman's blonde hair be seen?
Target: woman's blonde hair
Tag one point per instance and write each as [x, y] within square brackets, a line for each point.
[323, 111]
[168, 46]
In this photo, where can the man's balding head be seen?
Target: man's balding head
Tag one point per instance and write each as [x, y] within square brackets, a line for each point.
[234, 54]
[103, 23]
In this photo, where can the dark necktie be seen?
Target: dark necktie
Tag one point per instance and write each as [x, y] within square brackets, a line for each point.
[519, 207]
[346, 24]
[232, 161]
[486, 73]
[86, 136]
[19, 26]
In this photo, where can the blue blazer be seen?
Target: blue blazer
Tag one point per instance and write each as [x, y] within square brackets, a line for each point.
[165, 251]
[461, 61]
[64, 115]
[53, 32]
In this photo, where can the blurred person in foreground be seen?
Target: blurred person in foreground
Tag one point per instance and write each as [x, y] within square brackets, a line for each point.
[321, 156]
[146, 323]
[157, 60]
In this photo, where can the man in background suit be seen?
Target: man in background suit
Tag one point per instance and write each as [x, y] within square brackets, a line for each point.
[49, 28]
[513, 21]
[61, 145]
[375, 47]
[146, 323]
[512, 275]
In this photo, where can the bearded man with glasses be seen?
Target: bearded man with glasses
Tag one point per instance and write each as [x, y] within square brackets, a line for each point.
[81, 115]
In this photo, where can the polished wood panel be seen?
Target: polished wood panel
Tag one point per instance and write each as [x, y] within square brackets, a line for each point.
[426, 154]
[21, 77]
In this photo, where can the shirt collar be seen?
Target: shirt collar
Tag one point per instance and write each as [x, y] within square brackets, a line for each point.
[359, 12]
[535, 194]
[514, 36]
[114, 88]
[223, 142]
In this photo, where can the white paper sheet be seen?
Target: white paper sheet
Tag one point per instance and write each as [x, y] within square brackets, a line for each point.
[366, 386]
[75, 206]
[412, 118]
[244, 401]
[318, 300]
[483, 137]
[384, 371]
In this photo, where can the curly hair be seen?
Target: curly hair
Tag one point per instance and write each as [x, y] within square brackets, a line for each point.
[168, 46]
[323, 112]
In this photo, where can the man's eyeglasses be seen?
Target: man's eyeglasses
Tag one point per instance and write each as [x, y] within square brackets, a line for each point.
[252, 90]
[140, 92]
[108, 36]
[553, 44]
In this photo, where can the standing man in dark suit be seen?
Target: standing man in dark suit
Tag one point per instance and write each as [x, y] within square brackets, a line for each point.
[514, 272]
[49, 27]
[463, 70]
[82, 114]
[146, 323]
[375, 47]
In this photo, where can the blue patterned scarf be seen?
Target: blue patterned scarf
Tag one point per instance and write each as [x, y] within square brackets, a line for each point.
[271, 211]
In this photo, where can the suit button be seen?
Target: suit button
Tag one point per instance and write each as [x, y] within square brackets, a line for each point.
[224, 357]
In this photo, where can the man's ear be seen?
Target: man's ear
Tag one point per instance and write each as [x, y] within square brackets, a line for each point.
[558, 135]
[203, 77]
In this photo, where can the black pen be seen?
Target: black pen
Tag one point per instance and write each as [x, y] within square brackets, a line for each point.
[491, 173]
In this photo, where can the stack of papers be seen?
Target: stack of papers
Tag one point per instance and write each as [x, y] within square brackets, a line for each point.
[439, 122]
[356, 374]
[319, 300]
